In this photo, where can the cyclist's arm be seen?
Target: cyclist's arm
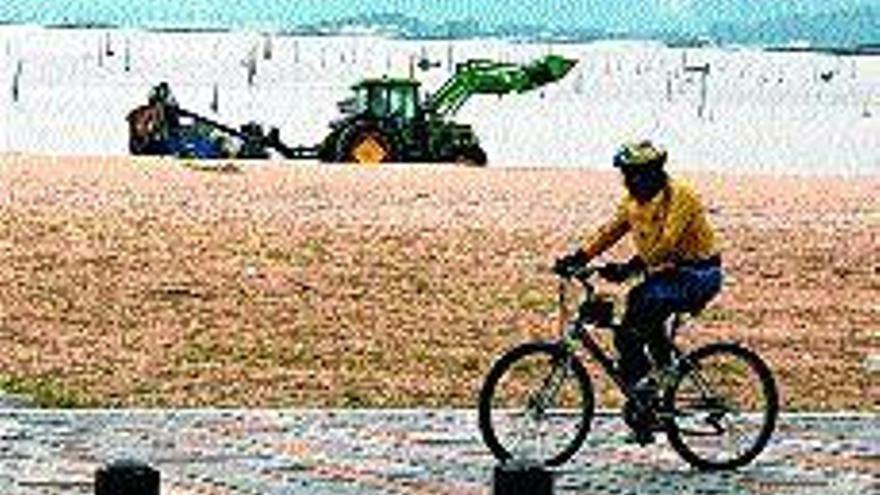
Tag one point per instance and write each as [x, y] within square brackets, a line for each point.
[607, 234]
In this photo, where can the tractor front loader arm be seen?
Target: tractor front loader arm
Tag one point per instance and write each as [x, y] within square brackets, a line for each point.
[489, 77]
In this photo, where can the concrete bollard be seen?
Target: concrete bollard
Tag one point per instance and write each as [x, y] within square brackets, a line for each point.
[522, 478]
[126, 477]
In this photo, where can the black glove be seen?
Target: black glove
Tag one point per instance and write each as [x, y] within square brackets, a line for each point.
[619, 272]
[570, 263]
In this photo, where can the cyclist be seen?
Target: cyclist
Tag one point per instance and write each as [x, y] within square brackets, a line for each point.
[677, 250]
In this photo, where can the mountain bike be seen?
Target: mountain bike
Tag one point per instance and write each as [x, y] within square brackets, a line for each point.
[717, 404]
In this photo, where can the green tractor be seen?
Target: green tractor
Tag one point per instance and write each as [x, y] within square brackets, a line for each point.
[387, 121]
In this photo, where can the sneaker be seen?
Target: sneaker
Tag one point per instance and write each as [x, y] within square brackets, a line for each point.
[646, 390]
[642, 424]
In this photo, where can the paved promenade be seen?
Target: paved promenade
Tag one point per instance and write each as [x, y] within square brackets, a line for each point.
[269, 452]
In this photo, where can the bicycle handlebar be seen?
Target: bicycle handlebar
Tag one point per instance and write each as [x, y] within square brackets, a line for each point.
[583, 274]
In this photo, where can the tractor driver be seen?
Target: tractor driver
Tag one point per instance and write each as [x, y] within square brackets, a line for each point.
[161, 98]
[677, 250]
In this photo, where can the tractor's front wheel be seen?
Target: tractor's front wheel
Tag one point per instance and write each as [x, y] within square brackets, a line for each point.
[473, 156]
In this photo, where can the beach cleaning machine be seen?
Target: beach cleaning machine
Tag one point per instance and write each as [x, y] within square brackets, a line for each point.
[385, 120]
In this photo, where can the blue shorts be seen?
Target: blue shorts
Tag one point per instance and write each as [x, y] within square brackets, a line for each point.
[684, 289]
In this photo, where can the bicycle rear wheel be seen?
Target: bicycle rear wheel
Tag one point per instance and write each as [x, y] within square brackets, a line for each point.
[723, 407]
[536, 404]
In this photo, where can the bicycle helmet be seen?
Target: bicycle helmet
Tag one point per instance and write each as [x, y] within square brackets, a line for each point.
[639, 155]
[642, 166]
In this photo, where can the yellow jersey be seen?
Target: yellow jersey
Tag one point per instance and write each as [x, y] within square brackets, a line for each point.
[672, 227]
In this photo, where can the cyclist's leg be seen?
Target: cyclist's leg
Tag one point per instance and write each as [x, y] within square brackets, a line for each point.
[630, 340]
[633, 363]
[648, 305]
[675, 291]
[701, 285]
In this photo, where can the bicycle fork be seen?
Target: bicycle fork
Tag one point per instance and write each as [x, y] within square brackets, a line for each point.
[541, 399]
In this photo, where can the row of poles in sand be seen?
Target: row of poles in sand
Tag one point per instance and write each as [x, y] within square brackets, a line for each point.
[105, 50]
[675, 80]
[132, 477]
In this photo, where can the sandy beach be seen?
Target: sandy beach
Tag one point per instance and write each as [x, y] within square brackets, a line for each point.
[67, 91]
[141, 282]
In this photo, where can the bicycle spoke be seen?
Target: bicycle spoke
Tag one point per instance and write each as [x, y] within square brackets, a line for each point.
[542, 437]
[526, 398]
[720, 408]
[736, 435]
[730, 440]
[519, 431]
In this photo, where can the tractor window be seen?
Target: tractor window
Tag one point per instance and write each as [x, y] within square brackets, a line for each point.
[403, 102]
[378, 101]
[360, 100]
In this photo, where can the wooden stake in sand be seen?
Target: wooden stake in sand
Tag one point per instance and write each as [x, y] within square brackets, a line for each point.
[267, 46]
[16, 81]
[215, 99]
[450, 59]
[108, 45]
[127, 55]
[703, 70]
[251, 64]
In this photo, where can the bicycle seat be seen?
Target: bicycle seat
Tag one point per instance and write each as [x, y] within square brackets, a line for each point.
[678, 318]
[696, 309]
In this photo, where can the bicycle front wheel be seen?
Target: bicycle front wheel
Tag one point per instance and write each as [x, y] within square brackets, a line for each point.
[722, 408]
[536, 404]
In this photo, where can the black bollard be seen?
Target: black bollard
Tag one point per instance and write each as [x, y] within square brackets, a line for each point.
[127, 477]
[522, 478]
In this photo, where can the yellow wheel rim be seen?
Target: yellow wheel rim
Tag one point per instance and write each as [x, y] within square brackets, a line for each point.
[369, 151]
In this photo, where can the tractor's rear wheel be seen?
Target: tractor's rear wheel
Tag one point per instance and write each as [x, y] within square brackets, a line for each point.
[366, 146]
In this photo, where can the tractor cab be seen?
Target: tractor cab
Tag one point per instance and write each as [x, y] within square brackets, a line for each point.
[386, 98]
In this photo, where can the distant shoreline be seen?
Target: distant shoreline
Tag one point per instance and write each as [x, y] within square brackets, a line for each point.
[503, 34]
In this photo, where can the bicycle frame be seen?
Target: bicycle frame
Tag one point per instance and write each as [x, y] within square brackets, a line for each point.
[576, 327]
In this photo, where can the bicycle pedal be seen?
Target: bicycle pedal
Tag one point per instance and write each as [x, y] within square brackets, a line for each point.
[658, 426]
[663, 416]
[641, 438]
